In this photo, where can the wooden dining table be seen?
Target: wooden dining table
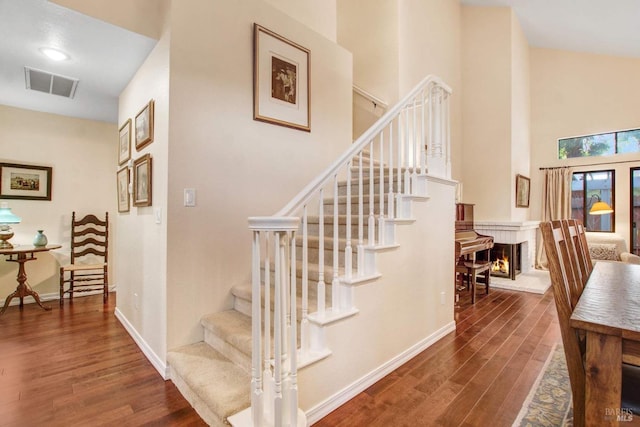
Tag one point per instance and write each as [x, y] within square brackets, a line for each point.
[609, 312]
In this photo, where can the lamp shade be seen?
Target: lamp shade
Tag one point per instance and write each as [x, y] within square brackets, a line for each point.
[600, 208]
[6, 216]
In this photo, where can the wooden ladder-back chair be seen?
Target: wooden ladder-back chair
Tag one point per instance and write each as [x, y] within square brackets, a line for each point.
[88, 270]
[567, 288]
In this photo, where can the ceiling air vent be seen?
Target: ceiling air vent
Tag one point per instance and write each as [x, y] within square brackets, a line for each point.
[55, 84]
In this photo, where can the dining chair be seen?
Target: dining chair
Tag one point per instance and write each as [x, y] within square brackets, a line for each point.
[565, 284]
[579, 254]
[88, 268]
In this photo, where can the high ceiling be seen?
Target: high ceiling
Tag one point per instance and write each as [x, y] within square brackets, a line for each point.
[102, 56]
[607, 27]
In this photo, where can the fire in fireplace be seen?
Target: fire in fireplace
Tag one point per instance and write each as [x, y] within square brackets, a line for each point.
[505, 260]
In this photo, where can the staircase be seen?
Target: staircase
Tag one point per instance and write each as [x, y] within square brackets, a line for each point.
[307, 260]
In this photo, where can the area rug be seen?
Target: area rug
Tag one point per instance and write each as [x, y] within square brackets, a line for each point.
[549, 402]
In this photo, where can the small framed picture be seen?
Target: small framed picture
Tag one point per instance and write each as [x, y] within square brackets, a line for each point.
[122, 178]
[144, 126]
[142, 181]
[124, 146]
[522, 191]
[281, 85]
[25, 182]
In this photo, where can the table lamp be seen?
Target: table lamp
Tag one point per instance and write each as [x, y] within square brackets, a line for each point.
[6, 218]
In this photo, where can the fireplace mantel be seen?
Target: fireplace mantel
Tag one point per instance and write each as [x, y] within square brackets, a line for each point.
[507, 225]
[513, 232]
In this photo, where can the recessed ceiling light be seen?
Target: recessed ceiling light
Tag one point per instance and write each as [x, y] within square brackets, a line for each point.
[54, 54]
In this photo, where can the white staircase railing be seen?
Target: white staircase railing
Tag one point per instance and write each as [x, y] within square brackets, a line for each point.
[355, 202]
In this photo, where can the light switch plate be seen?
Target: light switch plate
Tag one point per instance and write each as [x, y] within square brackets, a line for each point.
[189, 197]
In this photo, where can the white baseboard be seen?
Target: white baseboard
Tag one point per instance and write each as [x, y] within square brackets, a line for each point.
[157, 362]
[55, 296]
[332, 403]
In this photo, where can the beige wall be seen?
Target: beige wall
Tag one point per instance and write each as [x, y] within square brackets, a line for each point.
[495, 112]
[430, 44]
[82, 154]
[239, 167]
[142, 249]
[520, 115]
[405, 41]
[376, 55]
[145, 17]
[579, 94]
[486, 111]
[318, 15]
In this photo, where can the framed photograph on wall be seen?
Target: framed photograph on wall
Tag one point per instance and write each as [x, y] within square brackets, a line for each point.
[122, 178]
[124, 145]
[144, 126]
[142, 181]
[522, 191]
[25, 182]
[281, 85]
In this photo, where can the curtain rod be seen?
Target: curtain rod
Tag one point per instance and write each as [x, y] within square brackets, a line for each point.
[593, 164]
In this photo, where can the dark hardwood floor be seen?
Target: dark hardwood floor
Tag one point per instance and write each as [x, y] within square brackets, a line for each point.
[478, 375]
[79, 367]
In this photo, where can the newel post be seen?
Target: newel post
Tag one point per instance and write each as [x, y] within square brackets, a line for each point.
[274, 389]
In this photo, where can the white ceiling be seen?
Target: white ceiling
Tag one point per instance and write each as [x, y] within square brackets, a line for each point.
[103, 57]
[607, 27]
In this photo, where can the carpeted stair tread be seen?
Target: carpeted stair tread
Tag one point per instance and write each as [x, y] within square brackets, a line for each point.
[232, 327]
[216, 381]
[244, 291]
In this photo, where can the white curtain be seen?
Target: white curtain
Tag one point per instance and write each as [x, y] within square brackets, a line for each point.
[556, 203]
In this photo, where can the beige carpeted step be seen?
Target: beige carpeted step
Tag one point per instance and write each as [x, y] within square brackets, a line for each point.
[229, 332]
[243, 298]
[214, 386]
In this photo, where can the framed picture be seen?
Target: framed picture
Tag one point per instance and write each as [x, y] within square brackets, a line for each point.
[25, 182]
[281, 92]
[124, 147]
[144, 126]
[522, 191]
[142, 181]
[122, 178]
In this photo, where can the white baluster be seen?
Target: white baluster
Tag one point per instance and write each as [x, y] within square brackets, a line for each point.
[304, 324]
[381, 192]
[390, 206]
[414, 141]
[277, 331]
[257, 394]
[430, 121]
[400, 145]
[423, 149]
[360, 219]
[348, 251]
[321, 284]
[293, 354]
[407, 151]
[335, 283]
[447, 128]
[372, 221]
[267, 306]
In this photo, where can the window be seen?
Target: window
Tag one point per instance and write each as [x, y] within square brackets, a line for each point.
[604, 144]
[586, 189]
[635, 210]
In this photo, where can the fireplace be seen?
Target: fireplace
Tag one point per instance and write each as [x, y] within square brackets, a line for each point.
[514, 240]
[506, 260]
